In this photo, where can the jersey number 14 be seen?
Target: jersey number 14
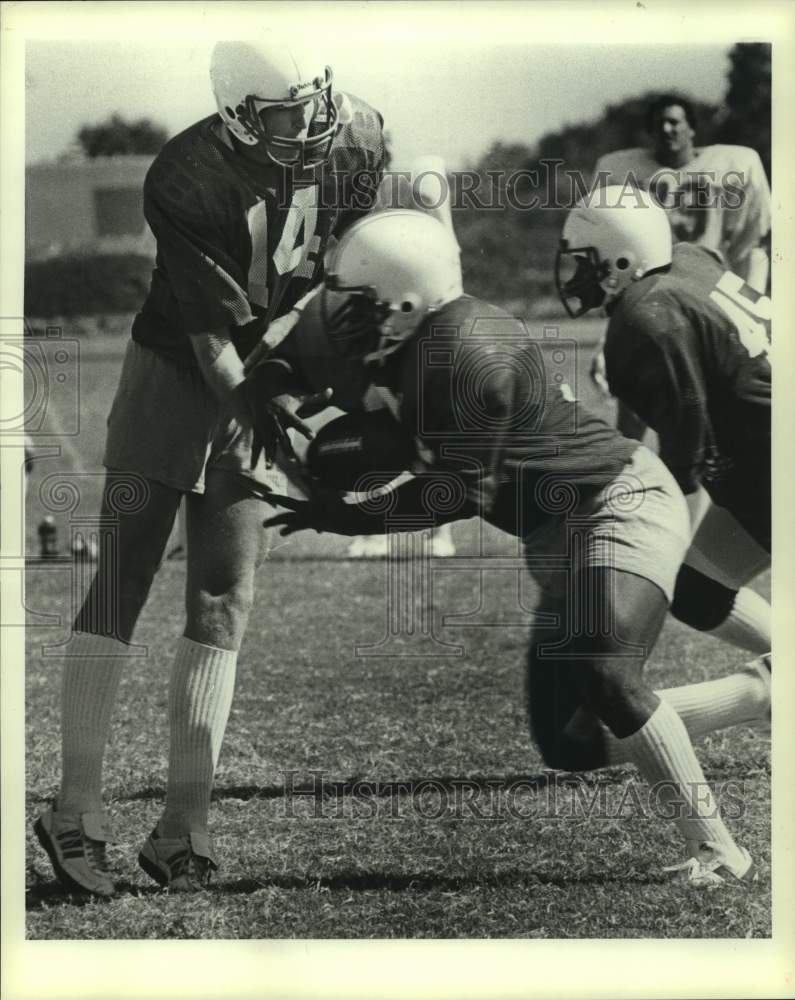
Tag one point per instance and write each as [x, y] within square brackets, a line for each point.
[297, 249]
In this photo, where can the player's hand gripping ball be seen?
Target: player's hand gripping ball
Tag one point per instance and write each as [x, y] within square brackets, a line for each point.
[356, 447]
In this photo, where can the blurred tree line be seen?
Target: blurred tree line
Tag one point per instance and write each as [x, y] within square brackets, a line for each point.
[508, 252]
[508, 247]
[118, 137]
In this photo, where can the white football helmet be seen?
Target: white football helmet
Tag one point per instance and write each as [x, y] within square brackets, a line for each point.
[386, 274]
[611, 238]
[250, 77]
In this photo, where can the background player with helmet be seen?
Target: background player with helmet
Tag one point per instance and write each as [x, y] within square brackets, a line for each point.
[731, 217]
[717, 196]
[242, 205]
[687, 347]
[392, 292]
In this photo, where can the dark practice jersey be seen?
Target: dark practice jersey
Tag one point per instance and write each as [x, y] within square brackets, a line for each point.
[486, 406]
[687, 350]
[238, 244]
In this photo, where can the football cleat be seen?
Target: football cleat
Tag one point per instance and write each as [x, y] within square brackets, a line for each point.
[369, 547]
[75, 844]
[712, 867]
[179, 864]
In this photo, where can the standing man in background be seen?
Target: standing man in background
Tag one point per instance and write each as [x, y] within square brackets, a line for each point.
[717, 196]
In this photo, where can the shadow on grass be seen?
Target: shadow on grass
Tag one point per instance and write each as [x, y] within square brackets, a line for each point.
[367, 788]
[51, 893]
[426, 882]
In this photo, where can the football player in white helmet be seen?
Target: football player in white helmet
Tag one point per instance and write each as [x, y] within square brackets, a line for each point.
[276, 101]
[687, 348]
[242, 211]
[495, 433]
[601, 255]
[424, 188]
[383, 288]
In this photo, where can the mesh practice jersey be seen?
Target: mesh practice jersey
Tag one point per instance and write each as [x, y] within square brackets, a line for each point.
[238, 243]
[720, 199]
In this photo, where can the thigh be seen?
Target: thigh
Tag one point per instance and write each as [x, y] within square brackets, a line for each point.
[723, 550]
[137, 517]
[638, 524]
[162, 421]
[225, 535]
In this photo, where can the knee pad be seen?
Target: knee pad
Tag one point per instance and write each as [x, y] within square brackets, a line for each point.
[699, 601]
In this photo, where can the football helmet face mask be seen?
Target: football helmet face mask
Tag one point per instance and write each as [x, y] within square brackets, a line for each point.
[388, 272]
[611, 238]
[250, 78]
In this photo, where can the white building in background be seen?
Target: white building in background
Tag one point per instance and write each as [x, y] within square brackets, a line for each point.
[79, 204]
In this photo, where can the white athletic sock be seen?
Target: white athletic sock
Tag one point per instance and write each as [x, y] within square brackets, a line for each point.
[748, 624]
[711, 705]
[90, 681]
[199, 700]
[664, 755]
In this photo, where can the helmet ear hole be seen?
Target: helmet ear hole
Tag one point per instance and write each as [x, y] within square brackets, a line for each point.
[622, 263]
[230, 112]
[406, 306]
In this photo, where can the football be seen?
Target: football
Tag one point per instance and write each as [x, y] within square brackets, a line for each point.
[357, 445]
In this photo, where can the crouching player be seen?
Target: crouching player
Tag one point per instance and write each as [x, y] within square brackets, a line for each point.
[687, 349]
[393, 327]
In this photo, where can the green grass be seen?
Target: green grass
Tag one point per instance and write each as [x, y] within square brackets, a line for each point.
[438, 738]
[439, 734]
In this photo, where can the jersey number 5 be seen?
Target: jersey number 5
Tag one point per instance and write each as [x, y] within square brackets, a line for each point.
[748, 315]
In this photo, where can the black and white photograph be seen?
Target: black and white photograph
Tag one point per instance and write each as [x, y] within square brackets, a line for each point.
[390, 476]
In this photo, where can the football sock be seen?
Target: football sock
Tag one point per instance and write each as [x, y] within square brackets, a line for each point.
[748, 623]
[88, 692]
[711, 705]
[664, 755]
[199, 700]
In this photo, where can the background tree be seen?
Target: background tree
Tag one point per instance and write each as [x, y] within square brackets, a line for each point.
[746, 121]
[117, 137]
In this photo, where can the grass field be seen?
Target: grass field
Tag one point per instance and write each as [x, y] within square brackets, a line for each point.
[374, 796]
